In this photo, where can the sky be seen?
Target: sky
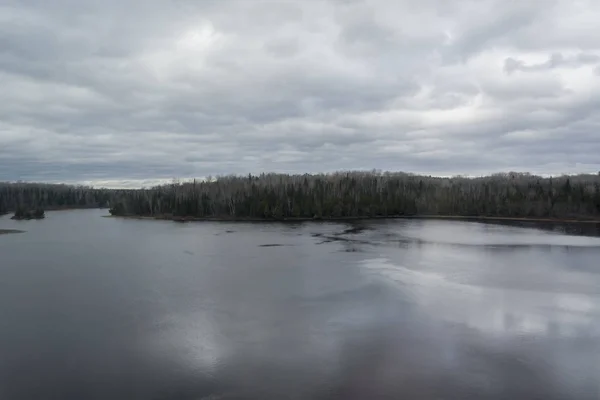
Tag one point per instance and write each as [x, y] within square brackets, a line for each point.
[127, 93]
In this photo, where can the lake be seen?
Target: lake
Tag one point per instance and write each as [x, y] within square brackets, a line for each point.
[108, 308]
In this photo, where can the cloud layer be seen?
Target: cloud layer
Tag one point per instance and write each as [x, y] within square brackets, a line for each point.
[127, 93]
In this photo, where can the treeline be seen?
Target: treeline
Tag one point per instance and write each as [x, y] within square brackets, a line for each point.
[367, 194]
[33, 196]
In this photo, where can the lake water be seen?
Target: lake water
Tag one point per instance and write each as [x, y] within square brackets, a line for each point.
[105, 308]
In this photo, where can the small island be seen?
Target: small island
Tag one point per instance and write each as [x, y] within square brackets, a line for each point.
[7, 231]
[24, 214]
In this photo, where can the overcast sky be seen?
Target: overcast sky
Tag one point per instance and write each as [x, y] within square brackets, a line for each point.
[129, 92]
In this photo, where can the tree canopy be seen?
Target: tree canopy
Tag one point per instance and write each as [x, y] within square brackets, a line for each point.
[367, 194]
[337, 195]
[31, 196]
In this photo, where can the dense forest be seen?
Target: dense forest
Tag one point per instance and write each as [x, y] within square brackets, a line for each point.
[33, 196]
[324, 196]
[366, 194]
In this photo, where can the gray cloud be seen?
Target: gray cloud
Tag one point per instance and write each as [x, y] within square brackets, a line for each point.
[112, 92]
[556, 60]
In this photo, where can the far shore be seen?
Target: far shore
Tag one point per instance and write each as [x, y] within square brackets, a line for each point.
[53, 209]
[342, 219]
[71, 208]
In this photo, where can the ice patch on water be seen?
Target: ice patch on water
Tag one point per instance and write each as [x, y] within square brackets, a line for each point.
[490, 309]
[414, 278]
[471, 234]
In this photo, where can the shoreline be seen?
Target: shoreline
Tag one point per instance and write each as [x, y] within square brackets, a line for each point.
[74, 208]
[9, 231]
[61, 209]
[342, 219]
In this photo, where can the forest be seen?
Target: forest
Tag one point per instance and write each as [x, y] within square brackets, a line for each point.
[366, 194]
[41, 196]
[328, 196]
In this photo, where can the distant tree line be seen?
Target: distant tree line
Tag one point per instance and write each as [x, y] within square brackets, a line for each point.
[33, 196]
[323, 196]
[366, 194]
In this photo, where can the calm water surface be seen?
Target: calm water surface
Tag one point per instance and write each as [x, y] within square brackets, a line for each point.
[103, 308]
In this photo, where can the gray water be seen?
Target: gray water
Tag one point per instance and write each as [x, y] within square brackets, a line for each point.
[104, 308]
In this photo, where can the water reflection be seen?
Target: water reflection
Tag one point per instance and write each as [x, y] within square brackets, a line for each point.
[125, 309]
[493, 310]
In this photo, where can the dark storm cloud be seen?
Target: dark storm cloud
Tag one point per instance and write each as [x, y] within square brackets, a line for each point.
[113, 92]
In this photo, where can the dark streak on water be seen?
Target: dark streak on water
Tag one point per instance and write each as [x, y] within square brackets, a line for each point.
[102, 308]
